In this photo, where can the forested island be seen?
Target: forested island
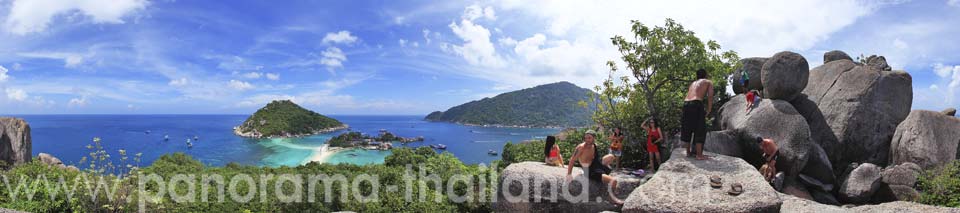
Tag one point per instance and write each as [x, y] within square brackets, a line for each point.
[560, 104]
[382, 141]
[283, 118]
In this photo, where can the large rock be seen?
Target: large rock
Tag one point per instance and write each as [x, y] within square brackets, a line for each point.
[50, 160]
[835, 55]
[904, 174]
[726, 142]
[926, 138]
[862, 106]
[752, 66]
[861, 184]
[878, 62]
[784, 76]
[820, 131]
[15, 142]
[536, 187]
[774, 119]
[683, 185]
[949, 112]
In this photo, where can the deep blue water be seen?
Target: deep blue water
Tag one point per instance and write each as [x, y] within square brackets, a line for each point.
[66, 136]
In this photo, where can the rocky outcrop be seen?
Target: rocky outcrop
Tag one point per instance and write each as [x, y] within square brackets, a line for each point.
[820, 132]
[926, 138]
[54, 161]
[878, 62]
[536, 187]
[752, 67]
[861, 184]
[949, 112]
[904, 174]
[683, 185]
[784, 76]
[835, 55]
[862, 105]
[794, 204]
[15, 142]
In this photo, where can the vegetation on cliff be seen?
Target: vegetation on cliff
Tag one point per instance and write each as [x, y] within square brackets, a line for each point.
[283, 118]
[550, 105]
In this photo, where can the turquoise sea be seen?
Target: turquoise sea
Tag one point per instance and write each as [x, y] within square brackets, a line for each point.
[66, 136]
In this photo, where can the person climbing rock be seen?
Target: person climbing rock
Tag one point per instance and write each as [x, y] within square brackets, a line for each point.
[693, 127]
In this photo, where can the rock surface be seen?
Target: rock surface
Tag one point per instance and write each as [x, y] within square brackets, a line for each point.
[820, 131]
[799, 205]
[835, 55]
[15, 142]
[775, 119]
[949, 112]
[926, 138]
[752, 66]
[683, 185]
[878, 62]
[784, 76]
[520, 179]
[904, 174]
[861, 184]
[862, 106]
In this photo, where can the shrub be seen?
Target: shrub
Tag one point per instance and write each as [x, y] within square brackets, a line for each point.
[941, 186]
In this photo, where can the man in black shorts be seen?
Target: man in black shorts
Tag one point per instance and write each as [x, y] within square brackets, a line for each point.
[694, 117]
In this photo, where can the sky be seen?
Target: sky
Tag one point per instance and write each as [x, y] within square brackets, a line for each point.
[412, 57]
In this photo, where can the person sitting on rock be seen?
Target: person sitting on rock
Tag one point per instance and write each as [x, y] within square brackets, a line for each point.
[654, 137]
[587, 154]
[753, 99]
[551, 151]
[694, 116]
[771, 153]
[616, 148]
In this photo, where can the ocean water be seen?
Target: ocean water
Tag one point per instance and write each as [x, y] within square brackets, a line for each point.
[66, 136]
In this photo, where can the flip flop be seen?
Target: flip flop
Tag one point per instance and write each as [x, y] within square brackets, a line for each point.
[716, 182]
[735, 189]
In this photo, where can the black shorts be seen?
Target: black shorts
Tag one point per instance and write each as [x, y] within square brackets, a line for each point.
[693, 122]
[596, 172]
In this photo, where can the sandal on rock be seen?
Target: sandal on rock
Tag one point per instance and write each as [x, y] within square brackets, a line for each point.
[735, 189]
[716, 182]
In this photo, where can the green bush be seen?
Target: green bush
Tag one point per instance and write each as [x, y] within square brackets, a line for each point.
[941, 186]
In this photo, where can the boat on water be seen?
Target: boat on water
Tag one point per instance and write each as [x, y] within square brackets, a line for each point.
[166, 137]
[438, 146]
[189, 144]
[146, 132]
[491, 152]
[196, 138]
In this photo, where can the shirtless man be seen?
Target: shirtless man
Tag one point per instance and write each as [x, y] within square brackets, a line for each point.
[589, 158]
[694, 117]
[771, 153]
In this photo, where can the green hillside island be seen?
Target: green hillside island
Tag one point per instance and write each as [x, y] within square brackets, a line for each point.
[283, 118]
[548, 105]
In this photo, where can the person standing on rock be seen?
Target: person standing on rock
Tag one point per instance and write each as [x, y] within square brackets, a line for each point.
[693, 127]
[588, 155]
[654, 137]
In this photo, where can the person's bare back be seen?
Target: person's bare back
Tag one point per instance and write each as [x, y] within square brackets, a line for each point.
[698, 89]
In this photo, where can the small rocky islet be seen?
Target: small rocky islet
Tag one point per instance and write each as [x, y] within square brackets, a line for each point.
[283, 118]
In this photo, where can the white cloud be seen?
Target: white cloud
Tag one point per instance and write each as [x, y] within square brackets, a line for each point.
[477, 48]
[70, 60]
[273, 76]
[342, 37]
[239, 85]
[474, 12]
[426, 36]
[29, 16]
[955, 3]
[252, 75]
[3, 74]
[333, 58]
[16, 94]
[178, 82]
[900, 44]
[77, 102]
[402, 42]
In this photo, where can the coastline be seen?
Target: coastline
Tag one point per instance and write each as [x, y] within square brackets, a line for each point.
[502, 125]
[236, 131]
[323, 153]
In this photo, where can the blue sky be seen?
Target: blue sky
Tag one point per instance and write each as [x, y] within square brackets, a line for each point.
[411, 57]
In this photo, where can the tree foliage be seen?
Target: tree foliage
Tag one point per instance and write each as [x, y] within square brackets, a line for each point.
[555, 104]
[661, 62]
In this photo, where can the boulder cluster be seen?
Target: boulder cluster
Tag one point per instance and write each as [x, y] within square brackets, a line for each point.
[845, 129]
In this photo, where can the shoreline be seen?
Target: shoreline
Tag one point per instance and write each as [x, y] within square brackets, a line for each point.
[237, 132]
[323, 153]
[502, 125]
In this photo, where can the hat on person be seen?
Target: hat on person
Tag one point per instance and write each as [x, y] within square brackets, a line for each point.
[591, 132]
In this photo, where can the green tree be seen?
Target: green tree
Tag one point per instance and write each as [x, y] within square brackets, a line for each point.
[662, 62]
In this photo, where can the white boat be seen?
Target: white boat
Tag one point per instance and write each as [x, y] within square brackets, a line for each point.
[166, 137]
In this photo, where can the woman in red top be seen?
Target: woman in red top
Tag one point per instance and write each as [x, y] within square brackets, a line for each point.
[654, 137]
[551, 151]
